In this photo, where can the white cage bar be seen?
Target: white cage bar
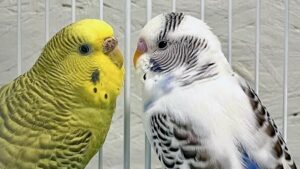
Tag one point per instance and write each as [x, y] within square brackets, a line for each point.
[73, 10]
[229, 31]
[101, 9]
[257, 46]
[285, 71]
[127, 108]
[147, 144]
[173, 5]
[127, 85]
[47, 20]
[100, 153]
[202, 9]
[19, 55]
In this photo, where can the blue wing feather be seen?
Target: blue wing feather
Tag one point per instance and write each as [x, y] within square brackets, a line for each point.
[249, 163]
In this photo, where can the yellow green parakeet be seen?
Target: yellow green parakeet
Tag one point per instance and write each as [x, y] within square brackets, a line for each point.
[57, 114]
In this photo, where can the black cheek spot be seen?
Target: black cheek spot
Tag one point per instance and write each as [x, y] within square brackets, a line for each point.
[95, 90]
[95, 77]
[105, 96]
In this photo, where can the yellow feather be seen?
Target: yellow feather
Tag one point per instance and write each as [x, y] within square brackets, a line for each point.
[57, 114]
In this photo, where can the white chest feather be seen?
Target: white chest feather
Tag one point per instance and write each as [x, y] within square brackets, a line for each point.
[218, 111]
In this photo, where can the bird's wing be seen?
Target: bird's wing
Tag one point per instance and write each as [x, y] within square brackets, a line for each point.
[270, 150]
[69, 149]
[177, 145]
[29, 138]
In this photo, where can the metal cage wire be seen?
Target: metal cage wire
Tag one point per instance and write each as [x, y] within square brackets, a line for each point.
[128, 61]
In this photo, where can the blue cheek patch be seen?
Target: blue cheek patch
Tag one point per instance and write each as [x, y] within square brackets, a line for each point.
[166, 84]
[162, 87]
[155, 66]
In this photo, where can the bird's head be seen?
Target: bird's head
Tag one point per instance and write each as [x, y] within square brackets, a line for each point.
[84, 57]
[179, 47]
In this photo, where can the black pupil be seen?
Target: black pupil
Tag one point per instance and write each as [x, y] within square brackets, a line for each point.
[84, 49]
[162, 44]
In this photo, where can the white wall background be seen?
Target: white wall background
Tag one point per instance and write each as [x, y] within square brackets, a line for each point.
[216, 15]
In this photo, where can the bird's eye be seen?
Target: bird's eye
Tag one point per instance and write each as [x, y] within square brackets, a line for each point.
[162, 44]
[84, 49]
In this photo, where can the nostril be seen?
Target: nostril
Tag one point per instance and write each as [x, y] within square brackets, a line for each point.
[109, 44]
[105, 96]
[145, 77]
[142, 46]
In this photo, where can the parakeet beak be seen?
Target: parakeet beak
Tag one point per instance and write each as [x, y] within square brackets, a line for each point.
[140, 50]
[137, 55]
[111, 48]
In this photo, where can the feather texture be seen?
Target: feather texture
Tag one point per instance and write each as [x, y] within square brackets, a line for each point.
[58, 113]
[198, 112]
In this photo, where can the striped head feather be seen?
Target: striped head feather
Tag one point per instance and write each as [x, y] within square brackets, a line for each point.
[180, 46]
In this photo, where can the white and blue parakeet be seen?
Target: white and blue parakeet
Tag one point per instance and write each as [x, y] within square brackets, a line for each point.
[200, 114]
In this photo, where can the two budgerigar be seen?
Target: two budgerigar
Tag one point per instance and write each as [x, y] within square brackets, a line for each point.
[198, 112]
[57, 114]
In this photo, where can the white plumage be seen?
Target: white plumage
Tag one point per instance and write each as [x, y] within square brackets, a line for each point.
[198, 112]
